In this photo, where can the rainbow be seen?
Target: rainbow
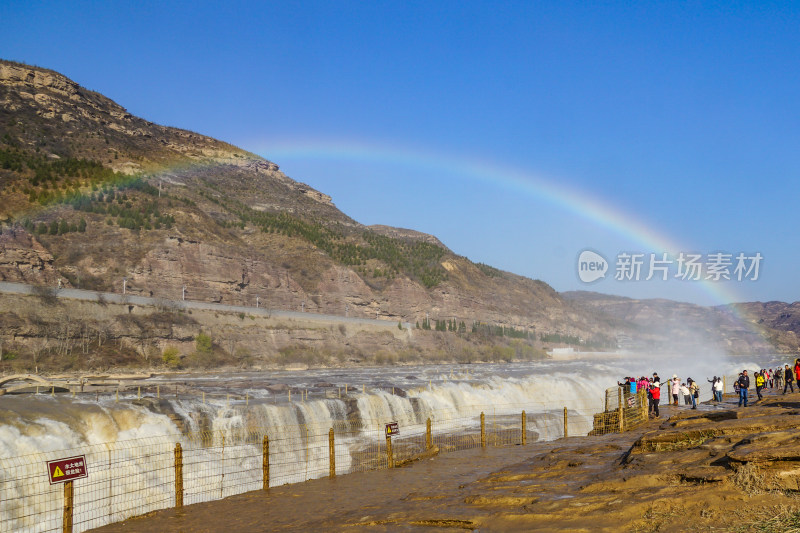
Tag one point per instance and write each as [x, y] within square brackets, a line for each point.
[570, 199]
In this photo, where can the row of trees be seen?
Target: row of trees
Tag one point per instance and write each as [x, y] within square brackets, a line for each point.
[486, 330]
[416, 259]
[500, 331]
[56, 227]
[51, 173]
[598, 341]
[111, 199]
[496, 330]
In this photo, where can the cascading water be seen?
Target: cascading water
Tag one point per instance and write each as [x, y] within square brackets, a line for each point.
[297, 430]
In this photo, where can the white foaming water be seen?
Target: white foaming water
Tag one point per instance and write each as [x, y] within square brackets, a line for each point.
[40, 429]
[298, 431]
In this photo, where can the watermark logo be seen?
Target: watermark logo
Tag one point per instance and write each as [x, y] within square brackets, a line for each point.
[685, 266]
[591, 266]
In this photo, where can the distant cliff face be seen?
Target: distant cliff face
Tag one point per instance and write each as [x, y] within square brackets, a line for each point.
[92, 194]
[780, 322]
[660, 323]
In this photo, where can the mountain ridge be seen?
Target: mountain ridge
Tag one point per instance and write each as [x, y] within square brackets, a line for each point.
[92, 194]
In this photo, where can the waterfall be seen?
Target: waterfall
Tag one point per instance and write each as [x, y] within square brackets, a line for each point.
[130, 444]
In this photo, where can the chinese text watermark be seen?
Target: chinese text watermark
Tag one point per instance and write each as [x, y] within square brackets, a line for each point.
[686, 266]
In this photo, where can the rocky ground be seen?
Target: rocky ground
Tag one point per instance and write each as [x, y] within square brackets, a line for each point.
[720, 468]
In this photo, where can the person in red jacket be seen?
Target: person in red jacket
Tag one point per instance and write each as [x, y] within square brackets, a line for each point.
[797, 372]
[655, 396]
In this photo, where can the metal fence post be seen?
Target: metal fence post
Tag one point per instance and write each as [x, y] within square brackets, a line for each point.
[483, 431]
[265, 462]
[566, 428]
[389, 455]
[428, 439]
[68, 500]
[178, 475]
[332, 451]
[524, 429]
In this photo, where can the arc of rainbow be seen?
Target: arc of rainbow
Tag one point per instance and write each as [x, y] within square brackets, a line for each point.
[561, 195]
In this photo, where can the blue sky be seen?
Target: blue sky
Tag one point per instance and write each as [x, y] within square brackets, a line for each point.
[511, 130]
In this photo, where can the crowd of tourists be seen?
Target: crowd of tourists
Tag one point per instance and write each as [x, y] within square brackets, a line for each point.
[689, 390]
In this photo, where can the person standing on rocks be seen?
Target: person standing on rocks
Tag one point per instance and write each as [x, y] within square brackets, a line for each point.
[686, 393]
[797, 372]
[718, 389]
[787, 378]
[760, 383]
[655, 395]
[694, 391]
[744, 384]
[713, 382]
[676, 388]
[778, 373]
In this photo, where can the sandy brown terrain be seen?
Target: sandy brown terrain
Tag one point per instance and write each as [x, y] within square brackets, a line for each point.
[720, 468]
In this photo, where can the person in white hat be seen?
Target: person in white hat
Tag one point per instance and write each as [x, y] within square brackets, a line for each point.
[676, 388]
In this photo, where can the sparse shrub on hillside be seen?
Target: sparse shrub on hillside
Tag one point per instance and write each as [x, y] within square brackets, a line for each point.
[488, 270]
[171, 357]
[503, 353]
[299, 354]
[46, 294]
[203, 343]
[525, 351]
[385, 358]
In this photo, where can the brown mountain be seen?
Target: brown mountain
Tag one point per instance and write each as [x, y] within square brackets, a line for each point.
[91, 194]
[167, 208]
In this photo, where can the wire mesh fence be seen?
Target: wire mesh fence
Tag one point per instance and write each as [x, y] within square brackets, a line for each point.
[134, 477]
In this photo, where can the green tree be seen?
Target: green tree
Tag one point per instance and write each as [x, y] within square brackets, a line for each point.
[171, 357]
[203, 342]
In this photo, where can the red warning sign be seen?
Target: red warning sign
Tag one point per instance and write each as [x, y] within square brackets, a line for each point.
[62, 470]
[392, 429]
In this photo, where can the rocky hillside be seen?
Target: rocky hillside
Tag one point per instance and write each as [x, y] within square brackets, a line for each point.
[91, 196]
[780, 322]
